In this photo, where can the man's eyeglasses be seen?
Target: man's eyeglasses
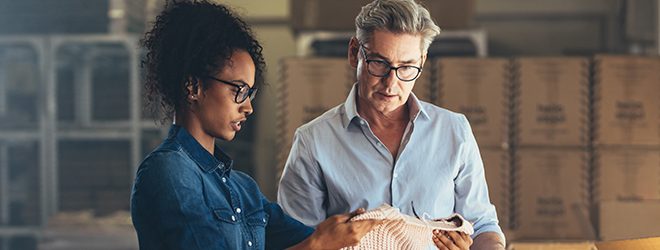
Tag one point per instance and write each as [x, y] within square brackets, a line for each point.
[243, 91]
[381, 68]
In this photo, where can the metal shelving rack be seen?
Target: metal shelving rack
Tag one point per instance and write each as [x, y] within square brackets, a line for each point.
[14, 132]
[47, 131]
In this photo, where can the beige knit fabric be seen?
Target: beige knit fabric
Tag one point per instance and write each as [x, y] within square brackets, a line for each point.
[403, 232]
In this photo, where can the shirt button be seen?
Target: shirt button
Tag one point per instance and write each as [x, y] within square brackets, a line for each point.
[249, 243]
[264, 220]
[238, 210]
[233, 218]
[396, 175]
[362, 122]
[224, 179]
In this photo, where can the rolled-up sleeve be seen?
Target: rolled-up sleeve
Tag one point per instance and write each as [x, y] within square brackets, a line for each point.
[302, 192]
[283, 231]
[471, 191]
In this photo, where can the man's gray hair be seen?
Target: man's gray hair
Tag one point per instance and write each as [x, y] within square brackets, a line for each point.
[397, 16]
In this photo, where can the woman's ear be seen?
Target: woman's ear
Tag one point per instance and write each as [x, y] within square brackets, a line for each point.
[192, 89]
[353, 49]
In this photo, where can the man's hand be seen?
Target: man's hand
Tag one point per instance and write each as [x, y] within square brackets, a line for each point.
[451, 240]
[337, 232]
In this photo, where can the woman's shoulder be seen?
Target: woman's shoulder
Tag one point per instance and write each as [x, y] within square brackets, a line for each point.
[167, 163]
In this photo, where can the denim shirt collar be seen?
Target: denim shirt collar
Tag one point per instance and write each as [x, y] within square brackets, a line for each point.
[197, 153]
[350, 108]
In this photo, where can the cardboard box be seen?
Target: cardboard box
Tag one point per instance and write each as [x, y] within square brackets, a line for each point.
[308, 88]
[423, 85]
[551, 246]
[627, 174]
[553, 101]
[478, 88]
[626, 100]
[340, 14]
[551, 195]
[636, 244]
[629, 220]
[496, 167]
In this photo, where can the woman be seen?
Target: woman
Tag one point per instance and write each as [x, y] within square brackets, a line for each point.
[203, 67]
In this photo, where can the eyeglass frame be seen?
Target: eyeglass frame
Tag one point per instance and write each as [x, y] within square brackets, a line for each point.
[251, 93]
[388, 64]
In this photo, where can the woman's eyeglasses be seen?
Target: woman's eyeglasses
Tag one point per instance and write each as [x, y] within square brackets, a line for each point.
[243, 91]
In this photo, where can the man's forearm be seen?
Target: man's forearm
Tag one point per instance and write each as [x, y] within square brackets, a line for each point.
[488, 241]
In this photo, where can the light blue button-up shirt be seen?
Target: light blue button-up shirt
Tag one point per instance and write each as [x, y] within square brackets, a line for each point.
[337, 165]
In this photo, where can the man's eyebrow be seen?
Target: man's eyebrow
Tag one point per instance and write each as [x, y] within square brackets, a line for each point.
[376, 54]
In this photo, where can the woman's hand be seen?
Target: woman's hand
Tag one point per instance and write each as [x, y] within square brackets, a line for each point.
[338, 231]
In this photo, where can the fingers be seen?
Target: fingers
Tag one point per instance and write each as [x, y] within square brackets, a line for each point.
[451, 240]
[357, 212]
[362, 227]
[467, 239]
[459, 239]
[358, 229]
[348, 216]
[341, 218]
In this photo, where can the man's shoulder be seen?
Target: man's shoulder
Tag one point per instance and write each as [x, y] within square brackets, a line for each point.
[441, 114]
[329, 119]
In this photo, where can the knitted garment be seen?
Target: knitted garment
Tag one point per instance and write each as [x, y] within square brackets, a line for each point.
[404, 231]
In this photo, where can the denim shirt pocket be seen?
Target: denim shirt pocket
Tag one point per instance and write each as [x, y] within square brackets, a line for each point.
[226, 215]
[256, 222]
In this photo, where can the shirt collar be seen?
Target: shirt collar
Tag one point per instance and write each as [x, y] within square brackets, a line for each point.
[203, 158]
[416, 108]
[350, 107]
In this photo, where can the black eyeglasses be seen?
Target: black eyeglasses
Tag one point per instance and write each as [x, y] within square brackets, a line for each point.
[381, 68]
[243, 91]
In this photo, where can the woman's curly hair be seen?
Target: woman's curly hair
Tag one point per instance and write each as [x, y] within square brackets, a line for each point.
[192, 40]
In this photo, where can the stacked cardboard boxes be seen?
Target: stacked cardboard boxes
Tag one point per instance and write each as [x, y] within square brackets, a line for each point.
[480, 89]
[649, 243]
[550, 195]
[626, 101]
[626, 146]
[552, 101]
[552, 246]
[308, 88]
[496, 166]
[424, 86]
[550, 167]
[629, 220]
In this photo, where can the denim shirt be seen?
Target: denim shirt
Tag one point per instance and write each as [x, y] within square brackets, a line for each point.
[186, 198]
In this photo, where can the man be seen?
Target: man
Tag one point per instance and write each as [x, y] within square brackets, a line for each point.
[383, 145]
